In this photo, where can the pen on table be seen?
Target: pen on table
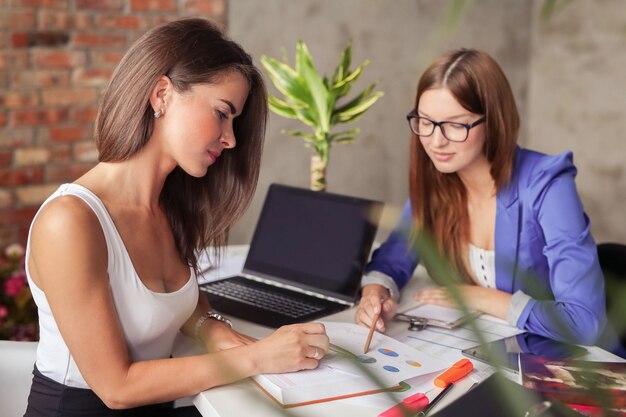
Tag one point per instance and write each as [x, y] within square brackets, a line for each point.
[372, 328]
[422, 402]
[435, 400]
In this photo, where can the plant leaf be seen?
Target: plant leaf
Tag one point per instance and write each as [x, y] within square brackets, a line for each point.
[350, 132]
[357, 106]
[344, 64]
[314, 83]
[351, 77]
[345, 139]
[281, 108]
[286, 80]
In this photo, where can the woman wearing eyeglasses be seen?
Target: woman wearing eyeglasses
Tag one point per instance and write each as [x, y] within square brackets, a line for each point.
[508, 219]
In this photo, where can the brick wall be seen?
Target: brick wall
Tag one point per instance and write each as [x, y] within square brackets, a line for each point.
[56, 57]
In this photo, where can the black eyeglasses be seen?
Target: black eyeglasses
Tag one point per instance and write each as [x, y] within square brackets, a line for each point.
[453, 131]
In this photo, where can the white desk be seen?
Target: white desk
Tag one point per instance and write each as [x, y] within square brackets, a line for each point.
[244, 398]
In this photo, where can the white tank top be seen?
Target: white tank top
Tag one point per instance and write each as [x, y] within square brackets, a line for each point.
[150, 320]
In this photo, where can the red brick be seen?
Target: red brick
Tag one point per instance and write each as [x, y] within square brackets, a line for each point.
[85, 152]
[4, 79]
[7, 197]
[153, 5]
[6, 158]
[21, 20]
[211, 7]
[19, 100]
[16, 137]
[13, 59]
[52, 19]
[23, 175]
[11, 234]
[53, 4]
[61, 173]
[40, 78]
[100, 58]
[38, 117]
[68, 96]
[60, 154]
[17, 216]
[100, 4]
[122, 22]
[67, 134]
[59, 59]
[98, 41]
[96, 77]
[87, 114]
[39, 39]
[3, 119]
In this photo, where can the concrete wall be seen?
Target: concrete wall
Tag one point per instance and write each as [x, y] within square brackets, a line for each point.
[577, 101]
[400, 38]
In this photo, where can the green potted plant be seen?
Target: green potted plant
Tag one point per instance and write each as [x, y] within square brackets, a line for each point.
[313, 99]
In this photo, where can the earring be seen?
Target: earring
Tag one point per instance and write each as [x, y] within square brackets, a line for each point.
[158, 114]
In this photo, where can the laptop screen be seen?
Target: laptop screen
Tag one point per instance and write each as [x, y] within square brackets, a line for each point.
[313, 240]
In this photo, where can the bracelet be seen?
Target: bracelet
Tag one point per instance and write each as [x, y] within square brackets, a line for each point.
[209, 315]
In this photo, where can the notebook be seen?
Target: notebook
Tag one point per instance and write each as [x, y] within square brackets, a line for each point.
[305, 260]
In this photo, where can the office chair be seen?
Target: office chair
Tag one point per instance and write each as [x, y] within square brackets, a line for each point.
[612, 257]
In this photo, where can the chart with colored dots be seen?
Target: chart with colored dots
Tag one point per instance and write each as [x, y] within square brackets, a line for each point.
[387, 358]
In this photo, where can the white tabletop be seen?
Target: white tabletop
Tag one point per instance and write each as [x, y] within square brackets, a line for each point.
[245, 398]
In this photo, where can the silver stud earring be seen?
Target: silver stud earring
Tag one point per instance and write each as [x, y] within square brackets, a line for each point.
[157, 114]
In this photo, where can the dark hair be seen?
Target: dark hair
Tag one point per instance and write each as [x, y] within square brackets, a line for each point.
[189, 51]
[439, 200]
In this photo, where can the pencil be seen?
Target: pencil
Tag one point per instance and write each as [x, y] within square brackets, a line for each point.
[371, 333]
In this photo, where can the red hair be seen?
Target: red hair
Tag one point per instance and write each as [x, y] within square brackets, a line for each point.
[438, 200]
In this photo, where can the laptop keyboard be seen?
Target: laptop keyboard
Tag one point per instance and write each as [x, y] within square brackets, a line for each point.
[278, 303]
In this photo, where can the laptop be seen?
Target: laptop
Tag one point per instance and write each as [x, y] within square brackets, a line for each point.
[305, 260]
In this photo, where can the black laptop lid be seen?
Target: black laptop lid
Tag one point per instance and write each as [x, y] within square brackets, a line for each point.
[313, 240]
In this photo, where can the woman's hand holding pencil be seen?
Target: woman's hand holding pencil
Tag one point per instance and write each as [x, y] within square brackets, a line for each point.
[375, 307]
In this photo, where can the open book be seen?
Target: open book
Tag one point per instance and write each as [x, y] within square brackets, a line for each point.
[433, 315]
[346, 372]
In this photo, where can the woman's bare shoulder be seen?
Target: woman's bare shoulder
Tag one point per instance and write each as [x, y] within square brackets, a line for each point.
[67, 231]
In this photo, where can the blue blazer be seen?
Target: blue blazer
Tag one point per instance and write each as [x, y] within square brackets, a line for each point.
[545, 254]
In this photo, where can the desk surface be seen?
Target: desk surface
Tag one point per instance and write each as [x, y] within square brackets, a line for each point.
[244, 398]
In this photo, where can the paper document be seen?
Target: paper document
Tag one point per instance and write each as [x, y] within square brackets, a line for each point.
[447, 344]
[343, 374]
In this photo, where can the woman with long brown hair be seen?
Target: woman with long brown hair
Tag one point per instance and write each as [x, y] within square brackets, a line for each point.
[508, 220]
[112, 257]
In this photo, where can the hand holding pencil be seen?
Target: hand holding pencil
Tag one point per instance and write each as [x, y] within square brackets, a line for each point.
[375, 306]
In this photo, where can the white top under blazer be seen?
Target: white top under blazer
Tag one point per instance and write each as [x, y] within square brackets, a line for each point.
[150, 320]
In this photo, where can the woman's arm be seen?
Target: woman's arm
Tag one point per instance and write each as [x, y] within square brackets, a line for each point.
[395, 258]
[213, 334]
[69, 263]
[577, 311]
[389, 270]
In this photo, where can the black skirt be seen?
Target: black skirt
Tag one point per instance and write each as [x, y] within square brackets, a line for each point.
[49, 398]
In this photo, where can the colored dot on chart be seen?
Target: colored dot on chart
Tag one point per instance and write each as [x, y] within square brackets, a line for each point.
[414, 363]
[365, 359]
[390, 368]
[388, 352]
